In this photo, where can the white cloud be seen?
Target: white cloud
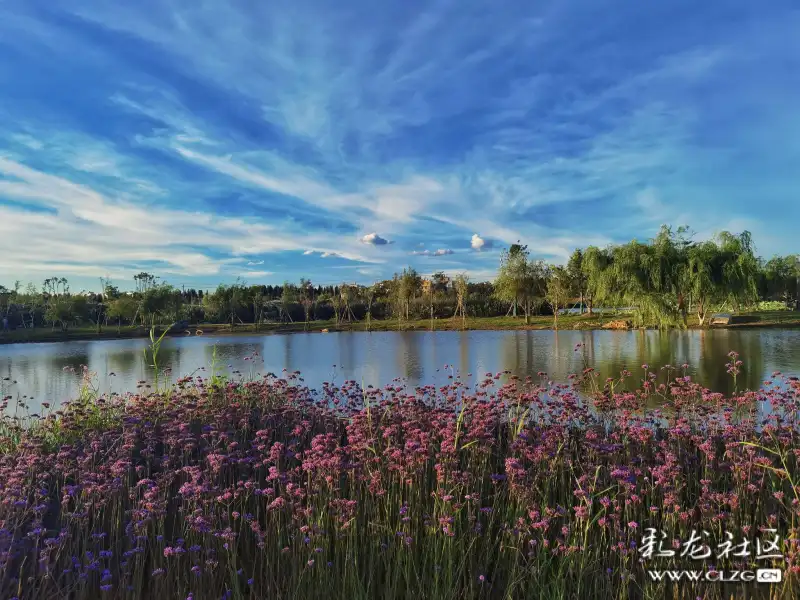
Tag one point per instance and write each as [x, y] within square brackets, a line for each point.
[328, 254]
[477, 242]
[255, 273]
[439, 252]
[307, 252]
[252, 263]
[374, 239]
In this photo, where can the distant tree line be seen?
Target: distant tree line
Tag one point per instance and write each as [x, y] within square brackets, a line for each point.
[661, 282]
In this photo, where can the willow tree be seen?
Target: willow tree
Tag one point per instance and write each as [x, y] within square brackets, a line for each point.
[667, 263]
[596, 268]
[705, 279]
[740, 271]
[644, 277]
[558, 289]
[577, 278]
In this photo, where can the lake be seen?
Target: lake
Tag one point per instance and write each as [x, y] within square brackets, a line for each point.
[41, 371]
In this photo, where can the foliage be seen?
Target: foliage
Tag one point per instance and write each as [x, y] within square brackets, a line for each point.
[122, 308]
[520, 281]
[559, 287]
[408, 287]
[661, 281]
[226, 301]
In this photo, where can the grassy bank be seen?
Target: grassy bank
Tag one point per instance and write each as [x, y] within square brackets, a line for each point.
[260, 489]
[45, 334]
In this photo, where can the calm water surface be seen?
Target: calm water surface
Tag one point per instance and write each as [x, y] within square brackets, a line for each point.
[418, 357]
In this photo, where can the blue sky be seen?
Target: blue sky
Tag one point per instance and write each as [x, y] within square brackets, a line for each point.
[205, 141]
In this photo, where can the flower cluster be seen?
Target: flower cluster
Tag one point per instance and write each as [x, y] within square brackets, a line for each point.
[267, 489]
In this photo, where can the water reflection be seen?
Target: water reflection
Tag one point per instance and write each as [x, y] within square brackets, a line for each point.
[377, 358]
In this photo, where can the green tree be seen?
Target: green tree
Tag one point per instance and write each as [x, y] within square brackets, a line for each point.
[780, 279]
[558, 289]
[155, 302]
[596, 267]
[288, 297]
[124, 307]
[461, 287]
[577, 277]
[520, 281]
[370, 294]
[440, 282]
[740, 269]
[306, 299]
[408, 288]
[256, 298]
[144, 281]
[60, 311]
[5, 300]
[224, 303]
[705, 281]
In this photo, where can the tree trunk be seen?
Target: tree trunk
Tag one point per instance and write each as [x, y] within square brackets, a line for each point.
[797, 293]
[682, 309]
[581, 300]
[515, 308]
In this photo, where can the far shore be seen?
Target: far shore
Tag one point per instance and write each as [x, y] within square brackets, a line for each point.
[787, 319]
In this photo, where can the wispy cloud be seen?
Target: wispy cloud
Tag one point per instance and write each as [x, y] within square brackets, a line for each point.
[202, 138]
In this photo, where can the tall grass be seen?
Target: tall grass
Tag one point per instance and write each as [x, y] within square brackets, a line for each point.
[262, 488]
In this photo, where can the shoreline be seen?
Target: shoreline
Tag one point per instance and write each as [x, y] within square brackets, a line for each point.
[775, 319]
